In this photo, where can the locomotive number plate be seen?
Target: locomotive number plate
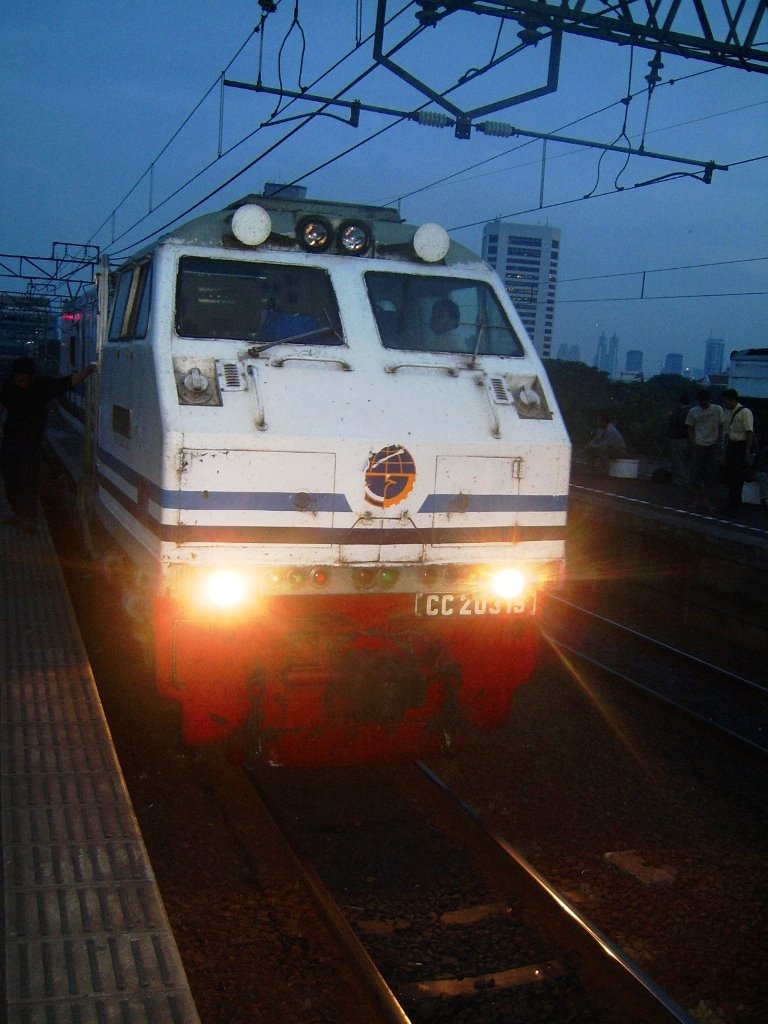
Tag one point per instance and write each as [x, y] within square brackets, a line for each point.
[442, 605]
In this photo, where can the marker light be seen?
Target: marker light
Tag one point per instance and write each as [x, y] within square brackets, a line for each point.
[319, 577]
[364, 577]
[508, 583]
[314, 234]
[431, 243]
[225, 589]
[430, 575]
[388, 577]
[251, 224]
[353, 238]
[297, 577]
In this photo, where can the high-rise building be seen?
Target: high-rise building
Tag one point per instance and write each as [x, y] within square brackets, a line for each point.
[634, 362]
[673, 363]
[570, 352]
[525, 256]
[607, 355]
[713, 356]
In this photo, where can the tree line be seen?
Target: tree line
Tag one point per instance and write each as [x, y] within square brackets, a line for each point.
[639, 409]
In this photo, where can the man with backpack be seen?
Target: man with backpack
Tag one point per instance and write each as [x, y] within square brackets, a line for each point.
[740, 433]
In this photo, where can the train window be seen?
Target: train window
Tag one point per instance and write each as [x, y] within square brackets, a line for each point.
[257, 302]
[120, 305]
[143, 294]
[422, 313]
[130, 309]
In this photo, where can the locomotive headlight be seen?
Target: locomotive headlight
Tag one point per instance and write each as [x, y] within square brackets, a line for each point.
[431, 243]
[508, 583]
[251, 224]
[225, 589]
[314, 234]
[353, 238]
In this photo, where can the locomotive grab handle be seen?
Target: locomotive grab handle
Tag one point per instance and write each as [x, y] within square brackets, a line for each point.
[482, 381]
[261, 421]
[394, 367]
[279, 360]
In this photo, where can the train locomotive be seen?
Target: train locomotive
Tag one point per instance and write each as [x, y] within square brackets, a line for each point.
[333, 461]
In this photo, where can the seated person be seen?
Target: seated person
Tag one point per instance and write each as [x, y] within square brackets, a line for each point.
[279, 326]
[607, 444]
[443, 328]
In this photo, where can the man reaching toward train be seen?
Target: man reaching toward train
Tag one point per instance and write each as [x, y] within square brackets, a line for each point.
[25, 398]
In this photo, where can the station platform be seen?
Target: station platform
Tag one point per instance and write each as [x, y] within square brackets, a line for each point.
[85, 936]
[662, 510]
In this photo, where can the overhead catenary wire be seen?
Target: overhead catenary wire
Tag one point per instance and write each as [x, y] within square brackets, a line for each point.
[306, 119]
[268, 123]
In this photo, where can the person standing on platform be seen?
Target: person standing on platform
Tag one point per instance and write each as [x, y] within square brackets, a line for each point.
[677, 436]
[705, 432]
[740, 432]
[25, 398]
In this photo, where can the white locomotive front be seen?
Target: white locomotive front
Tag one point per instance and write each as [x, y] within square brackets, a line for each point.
[327, 444]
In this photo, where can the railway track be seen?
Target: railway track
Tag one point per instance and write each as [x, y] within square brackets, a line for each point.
[444, 921]
[246, 931]
[722, 700]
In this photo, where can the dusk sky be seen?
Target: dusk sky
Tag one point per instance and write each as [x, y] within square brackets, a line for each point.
[93, 95]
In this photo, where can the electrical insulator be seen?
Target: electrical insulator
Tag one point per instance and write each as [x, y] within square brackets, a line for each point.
[496, 128]
[432, 118]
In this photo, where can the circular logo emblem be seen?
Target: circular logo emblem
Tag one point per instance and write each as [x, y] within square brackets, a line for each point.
[390, 476]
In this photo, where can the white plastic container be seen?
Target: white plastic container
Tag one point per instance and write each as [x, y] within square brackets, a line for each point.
[626, 468]
[750, 493]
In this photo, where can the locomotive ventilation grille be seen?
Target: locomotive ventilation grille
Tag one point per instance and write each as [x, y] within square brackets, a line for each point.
[499, 391]
[230, 378]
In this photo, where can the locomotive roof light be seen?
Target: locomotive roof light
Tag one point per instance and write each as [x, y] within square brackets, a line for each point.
[251, 224]
[354, 238]
[431, 243]
[314, 234]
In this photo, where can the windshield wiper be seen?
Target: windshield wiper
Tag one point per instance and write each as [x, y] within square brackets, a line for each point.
[256, 350]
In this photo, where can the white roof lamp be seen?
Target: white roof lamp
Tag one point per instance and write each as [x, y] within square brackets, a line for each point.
[251, 224]
[431, 243]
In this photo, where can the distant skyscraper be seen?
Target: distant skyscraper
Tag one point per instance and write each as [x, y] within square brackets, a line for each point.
[607, 355]
[525, 257]
[674, 363]
[713, 356]
[569, 352]
[634, 363]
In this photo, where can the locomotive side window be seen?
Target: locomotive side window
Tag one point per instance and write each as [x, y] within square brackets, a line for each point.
[258, 302]
[439, 314]
[130, 309]
[142, 304]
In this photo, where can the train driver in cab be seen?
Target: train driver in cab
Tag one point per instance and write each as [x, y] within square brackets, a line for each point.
[443, 333]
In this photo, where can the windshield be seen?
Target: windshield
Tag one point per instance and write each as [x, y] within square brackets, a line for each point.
[440, 314]
[255, 302]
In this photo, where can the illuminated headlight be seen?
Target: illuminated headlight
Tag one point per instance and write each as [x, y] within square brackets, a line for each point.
[508, 583]
[353, 238]
[314, 234]
[224, 589]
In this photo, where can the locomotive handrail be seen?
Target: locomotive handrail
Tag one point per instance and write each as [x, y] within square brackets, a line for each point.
[279, 360]
[261, 421]
[394, 367]
[481, 380]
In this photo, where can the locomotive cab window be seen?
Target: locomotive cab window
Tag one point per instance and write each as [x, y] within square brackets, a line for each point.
[256, 302]
[439, 314]
[130, 308]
